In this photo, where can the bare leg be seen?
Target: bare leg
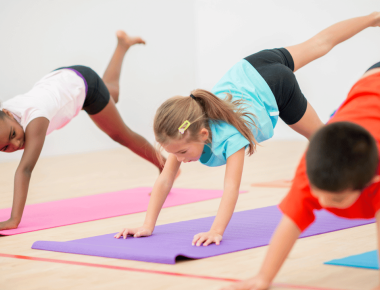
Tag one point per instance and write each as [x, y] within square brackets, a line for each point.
[111, 123]
[308, 124]
[324, 41]
[318, 46]
[109, 119]
[112, 74]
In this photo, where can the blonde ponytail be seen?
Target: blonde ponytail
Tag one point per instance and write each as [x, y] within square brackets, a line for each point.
[201, 109]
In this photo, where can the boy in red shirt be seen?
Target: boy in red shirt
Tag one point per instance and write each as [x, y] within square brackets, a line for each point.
[339, 172]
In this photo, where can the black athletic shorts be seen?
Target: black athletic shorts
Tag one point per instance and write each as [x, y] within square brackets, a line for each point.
[276, 67]
[97, 94]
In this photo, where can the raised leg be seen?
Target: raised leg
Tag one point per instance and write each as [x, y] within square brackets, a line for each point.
[324, 41]
[111, 123]
[111, 76]
[308, 124]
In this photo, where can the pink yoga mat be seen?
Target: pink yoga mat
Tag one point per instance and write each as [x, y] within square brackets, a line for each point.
[94, 207]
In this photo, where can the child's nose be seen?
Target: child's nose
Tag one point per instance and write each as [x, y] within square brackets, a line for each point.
[323, 201]
[180, 159]
[16, 144]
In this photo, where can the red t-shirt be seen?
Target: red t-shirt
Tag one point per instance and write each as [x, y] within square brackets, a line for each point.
[361, 107]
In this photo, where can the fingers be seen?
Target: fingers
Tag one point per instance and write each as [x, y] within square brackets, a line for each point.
[207, 242]
[142, 233]
[206, 239]
[135, 232]
[201, 240]
[211, 240]
[123, 233]
[139, 234]
[195, 239]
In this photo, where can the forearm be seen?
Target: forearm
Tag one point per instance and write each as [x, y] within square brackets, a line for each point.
[160, 191]
[232, 179]
[21, 186]
[281, 243]
[226, 210]
[343, 30]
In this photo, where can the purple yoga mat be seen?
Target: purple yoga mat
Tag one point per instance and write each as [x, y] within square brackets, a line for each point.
[247, 229]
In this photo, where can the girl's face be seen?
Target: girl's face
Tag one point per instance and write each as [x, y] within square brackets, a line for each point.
[187, 151]
[12, 137]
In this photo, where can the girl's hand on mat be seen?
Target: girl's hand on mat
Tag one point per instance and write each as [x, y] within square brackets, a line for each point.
[8, 225]
[135, 232]
[207, 238]
[255, 283]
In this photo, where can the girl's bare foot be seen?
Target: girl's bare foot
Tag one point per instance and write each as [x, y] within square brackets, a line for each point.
[126, 41]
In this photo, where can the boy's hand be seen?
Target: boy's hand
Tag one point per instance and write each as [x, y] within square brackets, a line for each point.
[135, 232]
[8, 225]
[255, 283]
[207, 238]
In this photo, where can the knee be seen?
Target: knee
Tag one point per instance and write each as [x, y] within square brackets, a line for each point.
[115, 95]
[117, 137]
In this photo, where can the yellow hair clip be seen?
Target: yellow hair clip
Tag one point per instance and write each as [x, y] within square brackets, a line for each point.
[184, 126]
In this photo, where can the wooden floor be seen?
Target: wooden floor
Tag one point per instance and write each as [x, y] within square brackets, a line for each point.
[64, 177]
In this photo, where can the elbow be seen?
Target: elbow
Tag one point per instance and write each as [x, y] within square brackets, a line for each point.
[26, 170]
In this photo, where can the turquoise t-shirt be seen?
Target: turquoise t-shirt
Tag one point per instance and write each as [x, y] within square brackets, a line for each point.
[242, 81]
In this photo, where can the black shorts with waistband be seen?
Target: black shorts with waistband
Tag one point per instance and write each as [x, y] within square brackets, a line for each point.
[276, 66]
[97, 94]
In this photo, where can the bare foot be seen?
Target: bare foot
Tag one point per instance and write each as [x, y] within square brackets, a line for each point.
[127, 41]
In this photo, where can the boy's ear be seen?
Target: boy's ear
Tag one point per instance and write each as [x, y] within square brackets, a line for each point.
[375, 179]
[204, 134]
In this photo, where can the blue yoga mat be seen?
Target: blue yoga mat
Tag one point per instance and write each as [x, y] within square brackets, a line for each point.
[367, 260]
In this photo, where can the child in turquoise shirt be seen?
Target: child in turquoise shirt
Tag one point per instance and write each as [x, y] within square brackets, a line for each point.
[242, 110]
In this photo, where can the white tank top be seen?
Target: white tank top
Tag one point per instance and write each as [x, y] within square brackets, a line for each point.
[58, 96]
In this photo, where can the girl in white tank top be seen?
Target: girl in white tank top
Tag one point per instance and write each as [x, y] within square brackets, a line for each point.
[53, 101]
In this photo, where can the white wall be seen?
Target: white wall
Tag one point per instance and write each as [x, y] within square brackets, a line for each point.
[41, 35]
[228, 31]
[190, 43]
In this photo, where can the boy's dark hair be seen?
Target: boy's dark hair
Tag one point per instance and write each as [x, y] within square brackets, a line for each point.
[341, 156]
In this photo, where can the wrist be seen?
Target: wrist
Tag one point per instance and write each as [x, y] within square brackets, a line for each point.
[264, 279]
[217, 231]
[148, 226]
[15, 220]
